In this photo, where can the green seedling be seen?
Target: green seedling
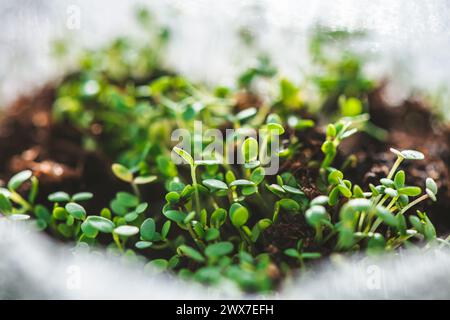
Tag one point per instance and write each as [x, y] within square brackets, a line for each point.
[297, 253]
[337, 132]
[126, 175]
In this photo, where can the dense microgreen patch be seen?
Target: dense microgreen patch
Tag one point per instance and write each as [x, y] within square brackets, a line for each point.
[216, 220]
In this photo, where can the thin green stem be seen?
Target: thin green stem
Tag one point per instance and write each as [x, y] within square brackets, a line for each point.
[246, 239]
[117, 241]
[319, 234]
[383, 200]
[194, 183]
[395, 167]
[136, 190]
[263, 150]
[375, 225]
[390, 175]
[20, 200]
[412, 204]
[393, 201]
[362, 217]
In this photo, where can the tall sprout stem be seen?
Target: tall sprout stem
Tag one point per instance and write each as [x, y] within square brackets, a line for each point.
[395, 167]
[194, 183]
[136, 190]
[375, 225]
[412, 204]
[409, 206]
[391, 174]
[393, 201]
[362, 217]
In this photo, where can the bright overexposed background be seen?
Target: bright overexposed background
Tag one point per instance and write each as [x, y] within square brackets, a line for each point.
[409, 39]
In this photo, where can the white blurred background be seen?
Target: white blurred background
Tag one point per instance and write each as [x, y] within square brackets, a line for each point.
[409, 39]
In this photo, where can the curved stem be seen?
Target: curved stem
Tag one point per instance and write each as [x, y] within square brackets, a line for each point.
[20, 200]
[383, 200]
[412, 204]
[393, 201]
[394, 167]
[375, 225]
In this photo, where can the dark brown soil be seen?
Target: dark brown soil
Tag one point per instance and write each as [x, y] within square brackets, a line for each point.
[285, 234]
[30, 139]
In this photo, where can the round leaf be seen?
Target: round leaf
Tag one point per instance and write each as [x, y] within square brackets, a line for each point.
[289, 204]
[144, 179]
[191, 253]
[335, 176]
[88, 230]
[127, 199]
[413, 155]
[391, 192]
[212, 234]
[218, 217]
[399, 179]
[75, 210]
[250, 149]
[319, 200]
[431, 185]
[165, 229]
[122, 172]
[387, 217]
[275, 128]
[242, 182]
[82, 196]
[185, 155]
[101, 224]
[59, 197]
[19, 178]
[141, 207]
[410, 191]
[431, 195]
[5, 204]
[219, 249]
[148, 229]
[19, 217]
[359, 204]
[315, 215]
[292, 190]
[346, 192]
[215, 184]
[292, 253]
[175, 215]
[257, 175]
[143, 244]
[239, 216]
[126, 231]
